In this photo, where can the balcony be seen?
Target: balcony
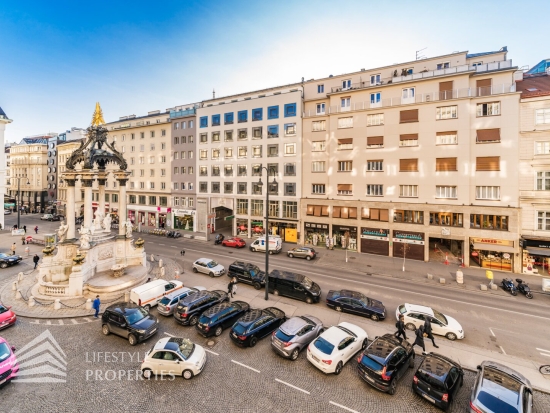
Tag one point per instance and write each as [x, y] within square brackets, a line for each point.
[181, 113]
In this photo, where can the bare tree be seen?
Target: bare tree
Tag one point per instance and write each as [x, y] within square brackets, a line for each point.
[405, 248]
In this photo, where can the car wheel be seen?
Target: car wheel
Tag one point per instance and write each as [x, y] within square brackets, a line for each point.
[276, 292]
[411, 362]
[187, 374]
[309, 300]
[211, 274]
[4, 265]
[193, 320]
[451, 336]
[338, 369]
[365, 344]
[147, 373]
[257, 286]
[410, 326]
[514, 293]
[308, 258]
[218, 331]
[147, 307]
[194, 269]
[270, 252]
[375, 317]
[291, 255]
[393, 387]
[253, 341]
[106, 330]
[338, 308]
[132, 340]
[253, 249]
[295, 353]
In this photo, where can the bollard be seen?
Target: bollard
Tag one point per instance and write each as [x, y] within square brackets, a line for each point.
[18, 295]
[483, 287]
[442, 281]
[57, 304]
[20, 276]
[162, 272]
[430, 277]
[27, 251]
[14, 286]
[127, 297]
[152, 257]
[459, 277]
[494, 287]
[88, 304]
[31, 301]
[176, 275]
[161, 263]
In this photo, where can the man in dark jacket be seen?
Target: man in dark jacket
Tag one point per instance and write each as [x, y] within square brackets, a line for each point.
[428, 331]
[400, 327]
[419, 341]
[35, 259]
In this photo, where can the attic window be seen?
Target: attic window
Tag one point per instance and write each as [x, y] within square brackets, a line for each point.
[532, 89]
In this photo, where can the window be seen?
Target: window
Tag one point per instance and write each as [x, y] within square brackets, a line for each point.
[176, 141]
[241, 187]
[410, 139]
[318, 166]
[445, 191]
[203, 171]
[445, 164]
[290, 149]
[290, 129]
[320, 88]
[543, 220]
[408, 93]
[318, 146]
[345, 166]
[243, 116]
[487, 135]
[191, 171]
[375, 141]
[446, 138]
[151, 172]
[318, 189]
[203, 187]
[345, 144]
[375, 120]
[142, 200]
[142, 135]
[184, 124]
[141, 148]
[257, 169]
[290, 209]
[375, 98]
[273, 209]
[273, 112]
[243, 134]
[408, 191]
[375, 79]
[190, 140]
[176, 200]
[176, 155]
[228, 136]
[346, 84]
[215, 170]
[345, 123]
[343, 212]
[446, 112]
[256, 207]
[444, 65]
[215, 187]
[215, 154]
[203, 154]
[273, 131]
[204, 121]
[317, 210]
[163, 201]
[376, 165]
[228, 118]
[131, 199]
[290, 189]
[242, 151]
[176, 170]
[151, 185]
[488, 109]
[318, 125]
[152, 134]
[488, 192]
[191, 200]
[290, 110]
[242, 206]
[320, 108]
[183, 139]
[182, 154]
[491, 222]
[446, 219]
[375, 214]
[375, 190]
[409, 217]
[163, 159]
[228, 188]
[344, 189]
[152, 200]
[257, 151]
[257, 114]
[228, 153]
[290, 169]
[542, 117]
[183, 186]
[543, 181]
[215, 136]
[203, 138]
[408, 165]
[408, 116]
[228, 170]
[488, 163]
[272, 150]
[542, 148]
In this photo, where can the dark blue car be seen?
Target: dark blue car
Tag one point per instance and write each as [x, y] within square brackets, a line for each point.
[356, 303]
[256, 324]
[214, 320]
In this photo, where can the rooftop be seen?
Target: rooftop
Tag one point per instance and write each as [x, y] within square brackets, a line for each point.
[473, 55]
[3, 114]
[534, 86]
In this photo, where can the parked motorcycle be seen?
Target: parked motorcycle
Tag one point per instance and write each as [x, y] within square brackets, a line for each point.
[219, 238]
[170, 234]
[508, 285]
[176, 234]
[524, 288]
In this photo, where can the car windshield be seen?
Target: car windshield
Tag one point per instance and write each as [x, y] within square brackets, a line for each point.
[440, 317]
[239, 329]
[3, 309]
[4, 351]
[371, 363]
[205, 320]
[402, 309]
[283, 336]
[165, 301]
[135, 314]
[323, 345]
[306, 282]
[212, 264]
[4, 256]
[432, 380]
[186, 348]
[254, 271]
[495, 404]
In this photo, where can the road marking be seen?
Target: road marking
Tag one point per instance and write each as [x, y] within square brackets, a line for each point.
[541, 349]
[74, 321]
[173, 246]
[210, 351]
[244, 365]
[86, 319]
[502, 350]
[343, 407]
[492, 332]
[61, 322]
[162, 244]
[168, 334]
[544, 354]
[290, 385]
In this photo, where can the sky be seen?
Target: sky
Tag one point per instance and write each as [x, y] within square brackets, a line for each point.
[57, 58]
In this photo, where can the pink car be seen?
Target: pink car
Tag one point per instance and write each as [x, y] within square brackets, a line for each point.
[8, 363]
[7, 317]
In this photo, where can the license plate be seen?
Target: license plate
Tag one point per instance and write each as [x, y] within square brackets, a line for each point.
[234, 335]
[152, 332]
[315, 358]
[430, 399]
[3, 381]
[369, 378]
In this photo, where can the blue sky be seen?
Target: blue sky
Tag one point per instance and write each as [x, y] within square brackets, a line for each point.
[57, 58]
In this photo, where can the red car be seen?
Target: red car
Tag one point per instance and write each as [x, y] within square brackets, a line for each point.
[234, 242]
[7, 317]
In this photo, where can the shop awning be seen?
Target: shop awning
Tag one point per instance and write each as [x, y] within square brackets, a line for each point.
[492, 247]
[544, 252]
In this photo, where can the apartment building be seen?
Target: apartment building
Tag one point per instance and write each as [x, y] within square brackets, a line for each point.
[183, 130]
[240, 137]
[64, 151]
[401, 159]
[534, 171]
[4, 120]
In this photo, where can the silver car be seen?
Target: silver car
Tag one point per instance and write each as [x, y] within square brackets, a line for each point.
[170, 301]
[295, 334]
[208, 266]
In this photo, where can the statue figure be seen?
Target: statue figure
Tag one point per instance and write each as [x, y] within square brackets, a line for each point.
[129, 228]
[84, 237]
[98, 220]
[62, 232]
[107, 223]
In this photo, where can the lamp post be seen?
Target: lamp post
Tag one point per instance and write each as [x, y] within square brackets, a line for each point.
[18, 198]
[260, 184]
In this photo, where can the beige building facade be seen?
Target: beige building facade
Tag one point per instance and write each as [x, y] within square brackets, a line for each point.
[416, 156]
[64, 151]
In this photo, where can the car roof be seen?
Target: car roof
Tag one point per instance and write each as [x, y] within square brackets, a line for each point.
[205, 260]
[179, 292]
[191, 298]
[506, 370]
[287, 275]
[418, 309]
[351, 294]
[437, 365]
[251, 316]
[121, 307]
[243, 264]
[293, 325]
[216, 309]
[384, 346]
[334, 334]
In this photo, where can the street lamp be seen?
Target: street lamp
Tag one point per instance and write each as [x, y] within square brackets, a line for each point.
[260, 184]
[18, 197]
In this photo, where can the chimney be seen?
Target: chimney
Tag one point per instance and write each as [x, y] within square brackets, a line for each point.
[213, 93]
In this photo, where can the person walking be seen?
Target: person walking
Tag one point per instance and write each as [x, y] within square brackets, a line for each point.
[428, 331]
[230, 286]
[35, 259]
[419, 341]
[36, 229]
[13, 247]
[25, 228]
[400, 327]
[96, 305]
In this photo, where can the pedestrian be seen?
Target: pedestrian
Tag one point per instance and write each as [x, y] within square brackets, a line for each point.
[13, 247]
[428, 331]
[23, 240]
[182, 253]
[35, 259]
[36, 229]
[234, 290]
[96, 305]
[419, 341]
[400, 327]
[25, 228]
[230, 286]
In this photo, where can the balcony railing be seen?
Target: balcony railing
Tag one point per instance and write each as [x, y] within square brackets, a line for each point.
[181, 113]
[443, 96]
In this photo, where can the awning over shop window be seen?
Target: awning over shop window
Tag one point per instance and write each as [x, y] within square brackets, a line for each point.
[544, 252]
[496, 248]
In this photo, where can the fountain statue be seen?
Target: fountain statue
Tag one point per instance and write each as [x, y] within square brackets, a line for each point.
[62, 232]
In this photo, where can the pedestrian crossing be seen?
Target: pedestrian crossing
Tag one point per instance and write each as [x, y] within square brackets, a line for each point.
[63, 322]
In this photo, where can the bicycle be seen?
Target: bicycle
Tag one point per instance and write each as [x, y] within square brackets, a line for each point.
[545, 369]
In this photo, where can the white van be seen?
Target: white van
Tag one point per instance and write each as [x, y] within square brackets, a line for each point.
[275, 245]
[148, 295]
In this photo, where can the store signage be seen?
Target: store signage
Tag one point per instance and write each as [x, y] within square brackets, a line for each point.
[373, 233]
[493, 241]
[408, 237]
[182, 212]
[445, 231]
[523, 243]
[314, 225]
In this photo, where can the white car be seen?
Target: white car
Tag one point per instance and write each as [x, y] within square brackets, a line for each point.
[334, 347]
[208, 266]
[7, 212]
[443, 325]
[173, 356]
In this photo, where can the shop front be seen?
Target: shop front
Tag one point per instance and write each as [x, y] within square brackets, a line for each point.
[536, 256]
[288, 231]
[141, 217]
[184, 219]
[344, 237]
[257, 228]
[242, 227]
[115, 217]
[315, 234]
[375, 241]
[132, 216]
[496, 254]
[408, 244]
[152, 219]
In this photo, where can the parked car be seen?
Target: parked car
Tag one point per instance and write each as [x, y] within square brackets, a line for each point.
[169, 302]
[302, 252]
[336, 346]
[443, 325]
[438, 379]
[247, 273]
[256, 324]
[130, 321]
[56, 217]
[9, 260]
[293, 285]
[7, 317]
[191, 307]
[295, 334]
[79, 220]
[149, 294]
[354, 302]
[275, 244]
[234, 242]
[208, 266]
[9, 367]
[7, 212]
[174, 356]
[385, 361]
[214, 320]
[46, 217]
[499, 389]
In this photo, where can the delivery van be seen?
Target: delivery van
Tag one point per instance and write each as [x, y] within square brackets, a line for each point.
[275, 245]
[149, 294]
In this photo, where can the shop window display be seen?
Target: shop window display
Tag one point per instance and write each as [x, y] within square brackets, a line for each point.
[242, 227]
[316, 234]
[257, 228]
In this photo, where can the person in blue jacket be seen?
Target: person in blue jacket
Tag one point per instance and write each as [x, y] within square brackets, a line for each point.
[96, 305]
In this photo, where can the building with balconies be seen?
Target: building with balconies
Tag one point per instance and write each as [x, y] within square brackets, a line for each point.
[4, 120]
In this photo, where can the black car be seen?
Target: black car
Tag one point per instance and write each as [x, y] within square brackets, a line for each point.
[438, 380]
[385, 361]
[215, 319]
[247, 273]
[55, 217]
[293, 285]
[191, 307]
[8, 260]
[356, 303]
[256, 324]
[130, 321]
